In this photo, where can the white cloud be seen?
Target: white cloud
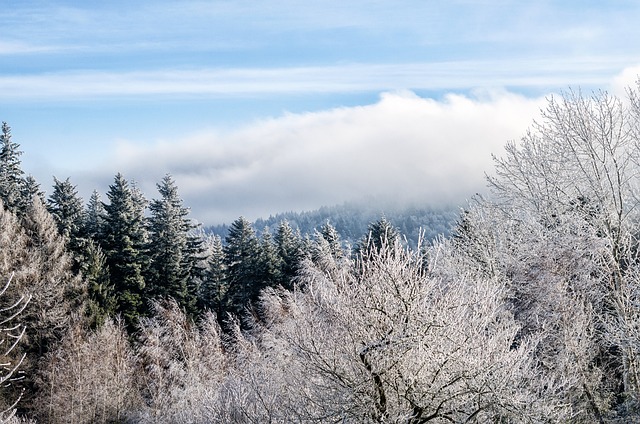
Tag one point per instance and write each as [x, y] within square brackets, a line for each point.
[402, 148]
[347, 78]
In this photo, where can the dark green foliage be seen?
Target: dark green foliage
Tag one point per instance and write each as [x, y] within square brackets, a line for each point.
[123, 241]
[245, 277]
[270, 261]
[352, 219]
[32, 190]
[12, 182]
[102, 299]
[94, 217]
[213, 289]
[291, 251]
[381, 233]
[174, 254]
[66, 207]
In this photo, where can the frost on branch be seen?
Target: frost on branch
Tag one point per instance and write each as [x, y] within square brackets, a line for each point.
[11, 332]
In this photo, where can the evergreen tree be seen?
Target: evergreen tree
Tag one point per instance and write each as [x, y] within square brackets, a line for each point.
[213, 288]
[331, 235]
[32, 190]
[290, 251]
[270, 262]
[381, 233]
[102, 301]
[12, 183]
[66, 207]
[173, 252]
[94, 217]
[123, 242]
[243, 262]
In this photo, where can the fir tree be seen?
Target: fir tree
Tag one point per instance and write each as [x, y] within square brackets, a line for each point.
[12, 183]
[213, 288]
[123, 242]
[94, 217]
[290, 250]
[173, 251]
[381, 233]
[270, 262]
[243, 263]
[32, 190]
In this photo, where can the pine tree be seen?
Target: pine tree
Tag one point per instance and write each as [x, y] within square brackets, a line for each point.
[173, 252]
[123, 242]
[242, 260]
[12, 182]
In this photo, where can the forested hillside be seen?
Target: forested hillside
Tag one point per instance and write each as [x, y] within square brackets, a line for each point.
[351, 221]
[121, 309]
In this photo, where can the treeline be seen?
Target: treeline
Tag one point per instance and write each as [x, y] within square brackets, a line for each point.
[352, 219]
[528, 313]
[84, 265]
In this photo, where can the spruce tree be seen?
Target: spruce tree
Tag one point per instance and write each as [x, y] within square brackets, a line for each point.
[123, 242]
[94, 217]
[290, 250]
[32, 191]
[270, 262]
[174, 253]
[243, 262]
[12, 182]
[380, 233]
[213, 289]
[65, 206]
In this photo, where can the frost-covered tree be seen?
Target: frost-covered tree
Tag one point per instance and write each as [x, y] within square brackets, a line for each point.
[184, 366]
[563, 224]
[383, 341]
[94, 217]
[291, 251]
[379, 232]
[93, 377]
[11, 333]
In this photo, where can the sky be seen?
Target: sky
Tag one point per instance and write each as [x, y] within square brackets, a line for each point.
[260, 107]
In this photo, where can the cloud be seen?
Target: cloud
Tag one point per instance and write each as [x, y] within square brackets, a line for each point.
[345, 78]
[401, 148]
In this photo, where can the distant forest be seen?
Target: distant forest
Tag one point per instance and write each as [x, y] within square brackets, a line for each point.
[351, 221]
[525, 310]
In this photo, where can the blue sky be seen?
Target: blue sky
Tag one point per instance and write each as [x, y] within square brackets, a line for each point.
[258, 107]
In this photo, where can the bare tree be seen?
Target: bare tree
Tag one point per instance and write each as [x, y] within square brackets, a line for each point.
[91, 378]
[385, 342]
[11, 332]
[184, 366]
[568, 198]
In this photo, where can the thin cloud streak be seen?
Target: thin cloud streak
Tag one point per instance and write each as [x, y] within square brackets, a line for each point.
[544, 74]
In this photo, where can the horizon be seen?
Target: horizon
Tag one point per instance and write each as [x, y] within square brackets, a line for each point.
[257, 109]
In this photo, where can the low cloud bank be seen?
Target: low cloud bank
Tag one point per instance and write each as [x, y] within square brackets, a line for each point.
[403, 148]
